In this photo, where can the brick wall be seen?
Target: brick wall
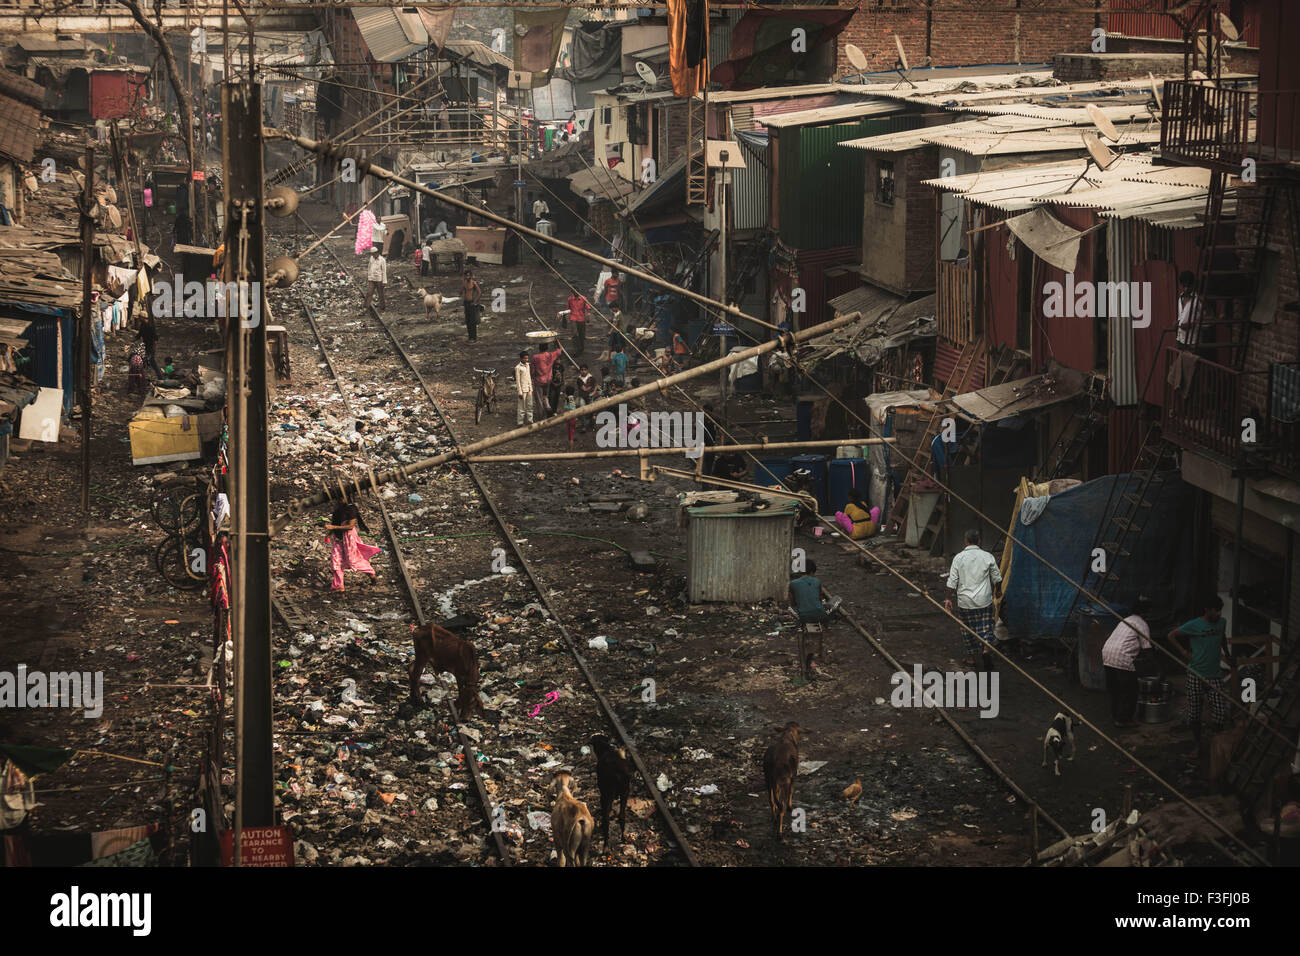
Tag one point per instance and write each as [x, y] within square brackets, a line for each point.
[1276, 342]
[986, 34]
[921, 220]
[1088, 67]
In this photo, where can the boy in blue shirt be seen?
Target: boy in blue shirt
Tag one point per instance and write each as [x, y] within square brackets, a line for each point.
[1205, 639]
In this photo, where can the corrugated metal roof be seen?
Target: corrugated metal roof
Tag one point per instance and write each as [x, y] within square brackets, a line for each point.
[1021, 187]
[749, 201]
[1126, 113]
[1059, 139]
[390, 34]
[478, 53]
[668, 178]
[605, 185]
[915, 138]
[772, 93]
[830, 114]
[20, 125]
[1030, 394]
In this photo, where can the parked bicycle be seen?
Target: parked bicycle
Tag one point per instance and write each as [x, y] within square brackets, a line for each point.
[179, 509]
[487, 392]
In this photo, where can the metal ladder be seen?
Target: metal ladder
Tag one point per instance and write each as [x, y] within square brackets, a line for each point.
[967, 448]
[1075, 437]
[1261, 750]
[972, 353]
[1128, 509]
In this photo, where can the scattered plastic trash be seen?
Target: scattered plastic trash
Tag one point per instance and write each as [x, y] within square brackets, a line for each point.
[598, 644]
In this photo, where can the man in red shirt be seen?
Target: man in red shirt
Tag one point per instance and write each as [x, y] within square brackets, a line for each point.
[613, 291]
[578, 316]
[543, 367]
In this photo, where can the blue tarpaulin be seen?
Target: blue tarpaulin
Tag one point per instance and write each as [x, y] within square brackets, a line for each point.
[1160, 564]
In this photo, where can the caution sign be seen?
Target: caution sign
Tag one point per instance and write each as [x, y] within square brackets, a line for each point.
[261, 846]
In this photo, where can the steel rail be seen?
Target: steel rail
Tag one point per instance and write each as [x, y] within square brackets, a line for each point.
[467, 746]
[665, 814]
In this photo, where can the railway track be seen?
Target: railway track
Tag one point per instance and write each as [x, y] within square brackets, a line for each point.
[497, 796]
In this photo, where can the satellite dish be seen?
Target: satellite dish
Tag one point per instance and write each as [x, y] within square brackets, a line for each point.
[647, 73]
[1155, 92]
[902, 57]
[856, 57]
[1228, 28]
[1102, 156]
[1100, 120]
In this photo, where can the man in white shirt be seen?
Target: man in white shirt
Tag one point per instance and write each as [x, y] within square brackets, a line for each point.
[377, 274]
[1118, 655]
[1189, 312]
[540, 210]
[523, 391]
[974, 580]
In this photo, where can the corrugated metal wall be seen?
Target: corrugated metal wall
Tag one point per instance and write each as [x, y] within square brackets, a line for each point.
[945, 362]
[1122, 354]
[749, 197]
[1069, 340]
[812, 267]
[1127, 17]
[739, 559]
[820, 187]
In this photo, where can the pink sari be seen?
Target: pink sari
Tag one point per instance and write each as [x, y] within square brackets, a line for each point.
[349, 553]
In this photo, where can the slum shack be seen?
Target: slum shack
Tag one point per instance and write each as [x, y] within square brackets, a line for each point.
[738, 552]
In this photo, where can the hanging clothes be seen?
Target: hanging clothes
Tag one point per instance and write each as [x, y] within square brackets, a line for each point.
[688, 45]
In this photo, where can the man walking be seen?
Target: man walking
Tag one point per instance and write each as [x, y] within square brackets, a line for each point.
[540, 210]
[543, 367]
[1118, 655]
[523, 391]
[973, 582]
[805, 596]
[578, 318]
[377, 274]
[1205, 638]
[470, 294]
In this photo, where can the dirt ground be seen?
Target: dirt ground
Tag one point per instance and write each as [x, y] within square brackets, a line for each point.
[724, 676]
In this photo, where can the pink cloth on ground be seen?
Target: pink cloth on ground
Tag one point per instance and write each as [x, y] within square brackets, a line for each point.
[845, 522]
[350, 554]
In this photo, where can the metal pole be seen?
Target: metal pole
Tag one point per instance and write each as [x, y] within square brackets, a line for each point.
[402, 472]
[87, 271]
[722, 259]
[246, 358]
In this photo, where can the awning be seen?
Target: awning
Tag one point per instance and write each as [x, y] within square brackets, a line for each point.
[887, 322]
[1024, 395]
[1048, 238]
[669, 186]
[603, 184]
[391, 35]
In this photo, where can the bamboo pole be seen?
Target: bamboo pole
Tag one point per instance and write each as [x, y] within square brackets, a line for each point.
[706, 449]
[342, 489]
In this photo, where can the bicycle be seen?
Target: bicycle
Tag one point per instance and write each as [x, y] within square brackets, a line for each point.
[182, 560]
[487, 392]
[179, 506]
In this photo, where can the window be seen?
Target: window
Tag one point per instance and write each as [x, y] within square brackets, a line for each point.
[607, 115]
[885, 182]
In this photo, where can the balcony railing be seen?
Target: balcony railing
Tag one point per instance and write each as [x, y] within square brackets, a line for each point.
[1220, 127]
[953, 303]
[1207, 407]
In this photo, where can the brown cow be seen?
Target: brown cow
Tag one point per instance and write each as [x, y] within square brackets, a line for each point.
[780, 766]
[449, 653]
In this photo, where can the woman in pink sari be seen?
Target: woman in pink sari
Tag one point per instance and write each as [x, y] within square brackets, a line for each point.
[347, 551]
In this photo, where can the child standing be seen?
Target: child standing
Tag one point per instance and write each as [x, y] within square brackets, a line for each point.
[570, 404]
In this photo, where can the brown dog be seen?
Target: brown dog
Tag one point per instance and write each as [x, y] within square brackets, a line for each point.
[571, 824]
[449, 653]
[780, 767]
